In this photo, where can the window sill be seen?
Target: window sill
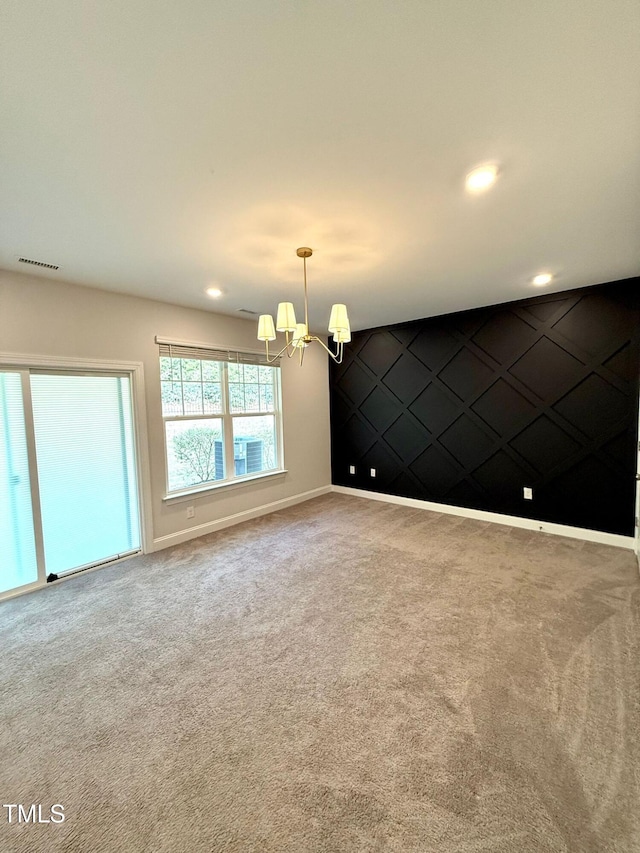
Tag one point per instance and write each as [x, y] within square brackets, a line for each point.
[188, 494]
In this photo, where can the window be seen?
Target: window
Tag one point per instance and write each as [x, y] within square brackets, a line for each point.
[222, 417]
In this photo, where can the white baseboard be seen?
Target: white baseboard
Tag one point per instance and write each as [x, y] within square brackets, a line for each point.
[599, 536]
[237, 518]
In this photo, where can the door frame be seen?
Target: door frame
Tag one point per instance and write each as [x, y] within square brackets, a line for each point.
[135, 371]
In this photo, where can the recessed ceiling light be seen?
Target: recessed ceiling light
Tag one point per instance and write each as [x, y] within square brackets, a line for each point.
[214, 292]
[542, 278]
[481, 178]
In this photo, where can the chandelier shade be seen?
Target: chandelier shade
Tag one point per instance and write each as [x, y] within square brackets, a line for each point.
[297, 335]
[338, 321]
[286, 317]
[343, 336]
[266, 332]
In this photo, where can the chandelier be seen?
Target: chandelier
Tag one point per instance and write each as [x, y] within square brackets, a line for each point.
[297, 334]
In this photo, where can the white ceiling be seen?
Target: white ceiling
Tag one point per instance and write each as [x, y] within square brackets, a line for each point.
[157, 148]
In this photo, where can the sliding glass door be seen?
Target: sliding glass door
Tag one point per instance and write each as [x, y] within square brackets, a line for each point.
[86, 468]
[80, 500]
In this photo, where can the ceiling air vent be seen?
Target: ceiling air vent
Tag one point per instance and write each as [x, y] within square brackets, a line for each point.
[247, 311]
[38, 263]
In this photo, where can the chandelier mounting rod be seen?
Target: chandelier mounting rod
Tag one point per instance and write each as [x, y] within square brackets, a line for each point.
[305, 252]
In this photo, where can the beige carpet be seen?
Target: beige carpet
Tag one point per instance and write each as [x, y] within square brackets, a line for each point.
[345, 675]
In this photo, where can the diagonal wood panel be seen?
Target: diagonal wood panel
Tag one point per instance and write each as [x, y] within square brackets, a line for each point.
[471, 407]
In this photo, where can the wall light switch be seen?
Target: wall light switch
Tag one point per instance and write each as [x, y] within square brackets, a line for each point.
[191, 512]
[352, 469]
[373, 472]
[527, 493]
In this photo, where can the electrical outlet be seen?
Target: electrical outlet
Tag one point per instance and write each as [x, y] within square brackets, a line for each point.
[191, 513]
[527, 493]
[352, 469]
[373, 472]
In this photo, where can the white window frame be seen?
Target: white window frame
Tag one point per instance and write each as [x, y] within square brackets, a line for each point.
[224, 357]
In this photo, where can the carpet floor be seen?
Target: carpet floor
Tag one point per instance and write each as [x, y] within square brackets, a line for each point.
[344, 675]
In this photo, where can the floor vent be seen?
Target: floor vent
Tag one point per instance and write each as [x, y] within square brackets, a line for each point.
[37, 263]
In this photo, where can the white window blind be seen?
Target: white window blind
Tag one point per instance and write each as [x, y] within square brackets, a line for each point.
[201, 351]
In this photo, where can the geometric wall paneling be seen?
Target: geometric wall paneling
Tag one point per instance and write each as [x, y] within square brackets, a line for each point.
[407, 438]
[577, 408]
[544, 444]
[547, 310]
[380, 458]
[616, 450]
[433, 345]
[466, 374]
[469, 494]
[437, 471]
[503, 478]
[407, 377]
[622, 364]
[468, 408]
[406, 486]
[356, 345]
[595, 324]
[504, 408]
[381, 409]
[357, 436]
[435, 408]
[591, 494]
[404, 334]
[341, 407]
[380, 352]
[467, 323]
[547, 369]
[505, 337]
[356, 383]
[467, 442]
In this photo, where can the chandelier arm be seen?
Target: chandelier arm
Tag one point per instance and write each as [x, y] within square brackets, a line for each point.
[289, 347]
[334, 355]
[280, 354]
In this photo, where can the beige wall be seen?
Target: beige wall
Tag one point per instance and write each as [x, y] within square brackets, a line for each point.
[44, 317]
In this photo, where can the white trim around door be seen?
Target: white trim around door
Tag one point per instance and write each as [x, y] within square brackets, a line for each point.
[135, 371]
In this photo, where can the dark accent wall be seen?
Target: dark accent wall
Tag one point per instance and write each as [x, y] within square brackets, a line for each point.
[468, 408]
